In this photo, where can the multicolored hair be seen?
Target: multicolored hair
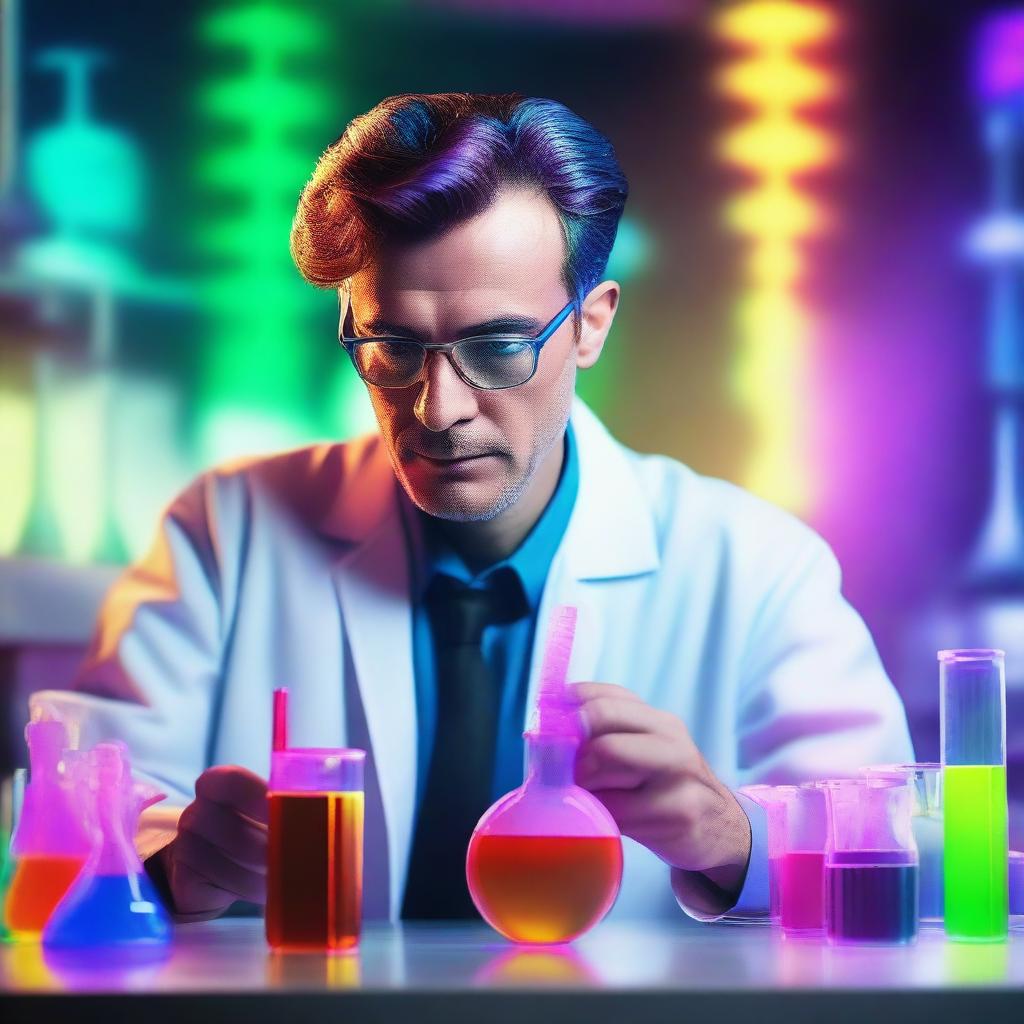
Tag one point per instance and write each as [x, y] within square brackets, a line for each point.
[417, 164]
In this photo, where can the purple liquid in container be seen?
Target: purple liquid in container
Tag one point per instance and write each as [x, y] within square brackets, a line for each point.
[871, 896]
[802, 876]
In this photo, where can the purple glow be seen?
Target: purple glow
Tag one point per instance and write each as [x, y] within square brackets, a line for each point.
[1000, 57]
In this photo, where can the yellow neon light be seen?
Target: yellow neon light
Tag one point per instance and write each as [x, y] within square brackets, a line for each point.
[775, 144]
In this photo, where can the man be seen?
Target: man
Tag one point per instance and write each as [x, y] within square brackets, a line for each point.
[466, 237]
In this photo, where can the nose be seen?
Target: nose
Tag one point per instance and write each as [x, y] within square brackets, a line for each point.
[444, 398]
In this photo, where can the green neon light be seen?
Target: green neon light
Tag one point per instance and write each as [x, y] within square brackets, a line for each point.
[258, 388]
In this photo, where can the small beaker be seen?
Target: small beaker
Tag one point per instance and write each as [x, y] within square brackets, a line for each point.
[802, 864]
[871, 863]
[773, 800]
[926, 782]
[315, 849]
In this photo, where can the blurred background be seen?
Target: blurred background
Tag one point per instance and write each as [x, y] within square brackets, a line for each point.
[821, 260]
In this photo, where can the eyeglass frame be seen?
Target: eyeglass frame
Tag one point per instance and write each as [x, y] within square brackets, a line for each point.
[349, 343]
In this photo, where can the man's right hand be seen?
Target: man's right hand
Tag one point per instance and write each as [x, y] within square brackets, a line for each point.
[220, 852]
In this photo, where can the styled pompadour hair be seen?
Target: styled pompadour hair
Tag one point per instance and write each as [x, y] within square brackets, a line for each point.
[416, 164]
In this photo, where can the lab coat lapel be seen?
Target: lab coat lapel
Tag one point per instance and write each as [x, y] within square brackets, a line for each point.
[372, 582]
[611, 535]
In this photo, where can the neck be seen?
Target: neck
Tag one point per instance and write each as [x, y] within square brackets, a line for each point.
[483, 543]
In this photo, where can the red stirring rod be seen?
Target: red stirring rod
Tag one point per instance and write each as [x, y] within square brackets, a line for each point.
[280, 735]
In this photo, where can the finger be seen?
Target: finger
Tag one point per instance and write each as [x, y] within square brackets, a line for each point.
[195, 895]
[242, 839]
[218, 868]
[628, 808]
[641, 753]
[593, 776]
[590, 691]
[237, 788]
[612, 714]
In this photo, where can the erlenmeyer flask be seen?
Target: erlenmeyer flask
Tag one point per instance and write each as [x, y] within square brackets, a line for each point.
[113, 902]
[50, 842]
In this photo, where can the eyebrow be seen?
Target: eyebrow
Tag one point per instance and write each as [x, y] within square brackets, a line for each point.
[504, 323]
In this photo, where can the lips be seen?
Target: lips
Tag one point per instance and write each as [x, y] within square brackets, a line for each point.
[451, 462]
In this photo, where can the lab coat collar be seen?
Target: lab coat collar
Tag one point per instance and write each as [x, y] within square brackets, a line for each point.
[611, 532]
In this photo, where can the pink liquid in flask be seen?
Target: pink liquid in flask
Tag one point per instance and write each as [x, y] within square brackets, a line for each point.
[544, 864]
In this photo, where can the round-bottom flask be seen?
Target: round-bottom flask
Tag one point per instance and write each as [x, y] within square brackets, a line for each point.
[544, 863]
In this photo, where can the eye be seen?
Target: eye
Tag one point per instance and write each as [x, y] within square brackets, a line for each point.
[505, 346]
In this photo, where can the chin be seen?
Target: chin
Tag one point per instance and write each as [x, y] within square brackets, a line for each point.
[458, 506]
[464, 502]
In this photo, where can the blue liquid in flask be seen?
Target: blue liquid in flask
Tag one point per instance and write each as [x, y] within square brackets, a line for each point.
[113, 903]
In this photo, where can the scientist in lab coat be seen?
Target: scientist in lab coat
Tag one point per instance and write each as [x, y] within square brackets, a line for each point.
[401, 584]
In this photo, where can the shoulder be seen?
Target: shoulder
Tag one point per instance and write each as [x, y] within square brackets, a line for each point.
[306, 481]
[709, 517]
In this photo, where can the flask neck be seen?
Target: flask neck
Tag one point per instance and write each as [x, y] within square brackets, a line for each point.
[550, 760]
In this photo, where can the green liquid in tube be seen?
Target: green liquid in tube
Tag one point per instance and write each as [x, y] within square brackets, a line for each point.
[975, 839]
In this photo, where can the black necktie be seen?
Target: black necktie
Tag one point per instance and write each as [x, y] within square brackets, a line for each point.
[461, 769]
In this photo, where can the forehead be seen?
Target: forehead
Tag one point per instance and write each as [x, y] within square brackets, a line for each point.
[512, 252]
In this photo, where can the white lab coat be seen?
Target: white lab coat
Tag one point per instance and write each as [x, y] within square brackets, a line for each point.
[291, 570]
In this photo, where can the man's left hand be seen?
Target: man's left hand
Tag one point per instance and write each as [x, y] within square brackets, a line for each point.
[643, 765]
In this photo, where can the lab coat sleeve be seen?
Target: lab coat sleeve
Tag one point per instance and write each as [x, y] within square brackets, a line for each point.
[814, 700]
[151, 673]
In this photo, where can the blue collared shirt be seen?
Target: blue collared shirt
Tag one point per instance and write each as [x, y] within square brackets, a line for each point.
[506, 647]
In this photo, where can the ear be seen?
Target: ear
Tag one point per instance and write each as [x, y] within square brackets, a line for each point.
[344, 302]
[598, 313]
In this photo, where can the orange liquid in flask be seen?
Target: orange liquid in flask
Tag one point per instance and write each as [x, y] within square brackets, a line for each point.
[544, 889]
[39, 884]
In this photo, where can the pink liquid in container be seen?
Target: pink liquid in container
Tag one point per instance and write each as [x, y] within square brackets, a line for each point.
[544, 863]
[801, 870]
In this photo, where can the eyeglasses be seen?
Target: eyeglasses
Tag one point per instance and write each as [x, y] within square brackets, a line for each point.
[489, 362]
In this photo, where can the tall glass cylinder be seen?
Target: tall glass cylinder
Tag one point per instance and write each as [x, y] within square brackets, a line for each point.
[973, 721]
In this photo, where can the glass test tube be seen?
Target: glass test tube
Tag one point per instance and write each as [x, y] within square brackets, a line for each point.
[315, 849]
[973, 725]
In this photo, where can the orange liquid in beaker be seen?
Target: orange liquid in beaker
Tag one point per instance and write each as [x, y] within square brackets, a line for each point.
[38, 885]
[315, 870]
[544, 888]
